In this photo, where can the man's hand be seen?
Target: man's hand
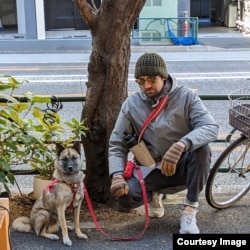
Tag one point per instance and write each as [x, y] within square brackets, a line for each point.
[119, 186]
[171, 158]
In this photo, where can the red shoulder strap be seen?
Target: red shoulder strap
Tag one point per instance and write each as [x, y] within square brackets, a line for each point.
[154, 113]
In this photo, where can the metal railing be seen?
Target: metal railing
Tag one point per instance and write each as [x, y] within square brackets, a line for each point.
[179, 31]
[81, 98]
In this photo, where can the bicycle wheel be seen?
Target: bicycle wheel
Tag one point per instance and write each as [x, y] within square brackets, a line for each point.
[229, 178]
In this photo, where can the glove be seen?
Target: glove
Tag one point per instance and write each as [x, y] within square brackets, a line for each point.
[119, 186]
[171, 158]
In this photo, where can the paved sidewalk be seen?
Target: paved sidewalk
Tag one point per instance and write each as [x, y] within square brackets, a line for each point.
[210, 39]
[159, 234]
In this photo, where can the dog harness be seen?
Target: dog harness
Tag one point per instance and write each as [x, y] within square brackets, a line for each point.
[74, 188]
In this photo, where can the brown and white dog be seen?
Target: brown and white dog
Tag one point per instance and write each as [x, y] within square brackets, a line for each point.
[66, 190]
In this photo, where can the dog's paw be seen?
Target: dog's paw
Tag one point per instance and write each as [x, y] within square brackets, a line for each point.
[70, 228]
[82, 236]
[52, 236]
[67, 242]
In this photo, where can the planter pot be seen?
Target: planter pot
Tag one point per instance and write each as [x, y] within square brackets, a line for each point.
[38, 186]
[4, 195]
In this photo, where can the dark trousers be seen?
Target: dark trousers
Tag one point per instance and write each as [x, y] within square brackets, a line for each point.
[191, 174]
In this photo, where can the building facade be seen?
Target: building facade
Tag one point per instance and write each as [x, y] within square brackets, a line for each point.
[32, 18]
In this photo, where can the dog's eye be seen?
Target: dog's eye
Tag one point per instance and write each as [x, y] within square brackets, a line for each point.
[64, 159]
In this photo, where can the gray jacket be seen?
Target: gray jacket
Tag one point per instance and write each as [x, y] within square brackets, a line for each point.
[184, 119]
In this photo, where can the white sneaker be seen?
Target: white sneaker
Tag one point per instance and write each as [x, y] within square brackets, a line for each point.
[156, 208]
[188, 221]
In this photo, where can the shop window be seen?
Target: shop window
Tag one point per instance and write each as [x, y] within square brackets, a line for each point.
[153, 3]
[157, 3]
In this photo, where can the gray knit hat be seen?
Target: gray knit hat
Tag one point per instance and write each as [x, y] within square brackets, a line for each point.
[151, 64]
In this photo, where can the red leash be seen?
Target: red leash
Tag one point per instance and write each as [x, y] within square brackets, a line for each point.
[156, 111]
[145, 200]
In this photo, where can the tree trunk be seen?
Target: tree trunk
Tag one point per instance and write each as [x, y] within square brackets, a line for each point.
[108, 68]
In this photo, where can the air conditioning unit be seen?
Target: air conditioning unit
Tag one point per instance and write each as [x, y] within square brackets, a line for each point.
[152, 38]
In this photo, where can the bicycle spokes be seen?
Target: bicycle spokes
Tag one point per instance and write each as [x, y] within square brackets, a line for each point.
[229, 179]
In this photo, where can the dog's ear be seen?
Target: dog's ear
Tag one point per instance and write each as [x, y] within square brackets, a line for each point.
[59, 149]
[77, 147]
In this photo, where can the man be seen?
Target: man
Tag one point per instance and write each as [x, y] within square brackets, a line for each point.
[177, 139]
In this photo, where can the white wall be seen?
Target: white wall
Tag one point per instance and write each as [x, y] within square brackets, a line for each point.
[40, 19]
[157, 29]
[167, 9]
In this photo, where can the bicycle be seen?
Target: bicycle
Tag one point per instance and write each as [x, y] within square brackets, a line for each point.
[229, 177]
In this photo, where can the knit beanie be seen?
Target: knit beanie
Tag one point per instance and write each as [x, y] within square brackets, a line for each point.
[151, 64]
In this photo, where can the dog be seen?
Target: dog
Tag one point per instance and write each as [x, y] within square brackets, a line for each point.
[65, 191]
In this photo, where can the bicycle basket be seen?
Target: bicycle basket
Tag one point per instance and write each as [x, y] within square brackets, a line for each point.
[239, 110]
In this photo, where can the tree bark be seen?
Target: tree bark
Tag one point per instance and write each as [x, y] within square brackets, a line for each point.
[108, 68]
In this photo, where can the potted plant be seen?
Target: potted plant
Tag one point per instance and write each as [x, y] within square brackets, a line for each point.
[28, 133]
[16, 137]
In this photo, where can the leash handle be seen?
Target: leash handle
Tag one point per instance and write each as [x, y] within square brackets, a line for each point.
[145, 200]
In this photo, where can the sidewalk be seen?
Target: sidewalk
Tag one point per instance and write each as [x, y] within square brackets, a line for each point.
[159, 234]
[210, 39]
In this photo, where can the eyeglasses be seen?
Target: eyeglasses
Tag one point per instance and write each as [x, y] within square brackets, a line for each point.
[150, 79]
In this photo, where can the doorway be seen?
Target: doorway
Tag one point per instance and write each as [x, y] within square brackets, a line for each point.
[64, 14]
